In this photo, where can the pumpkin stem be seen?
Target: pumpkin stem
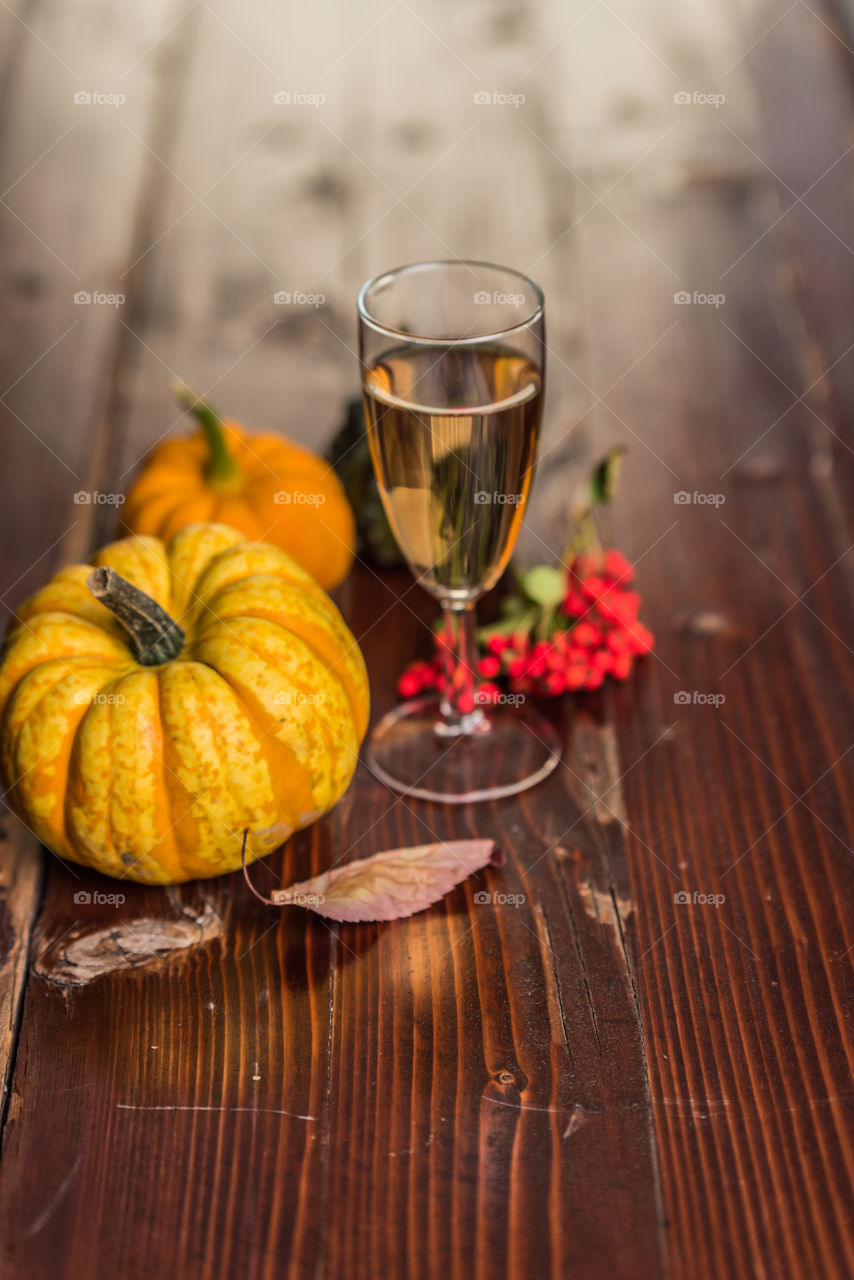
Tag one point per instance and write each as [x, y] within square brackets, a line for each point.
[222, 470]
[156, 637]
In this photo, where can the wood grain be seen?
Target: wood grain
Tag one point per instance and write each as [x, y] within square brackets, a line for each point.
[583, 1075]
[743, 1004]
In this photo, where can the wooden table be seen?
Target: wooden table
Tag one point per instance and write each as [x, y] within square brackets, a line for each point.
[607, 1080]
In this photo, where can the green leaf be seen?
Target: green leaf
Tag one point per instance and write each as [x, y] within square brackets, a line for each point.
[543, 584]
[605, 476]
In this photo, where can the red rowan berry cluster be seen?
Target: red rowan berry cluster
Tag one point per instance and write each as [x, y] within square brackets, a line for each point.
[591, 633]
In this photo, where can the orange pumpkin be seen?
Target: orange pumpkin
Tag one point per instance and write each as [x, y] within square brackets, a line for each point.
[264, 485]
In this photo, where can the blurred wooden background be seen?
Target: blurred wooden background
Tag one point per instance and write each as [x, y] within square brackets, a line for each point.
[606, 1083]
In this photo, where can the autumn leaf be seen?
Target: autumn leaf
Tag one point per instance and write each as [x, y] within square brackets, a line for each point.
[389, 885]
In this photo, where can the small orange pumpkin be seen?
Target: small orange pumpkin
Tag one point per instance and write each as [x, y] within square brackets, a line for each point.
[264, 485]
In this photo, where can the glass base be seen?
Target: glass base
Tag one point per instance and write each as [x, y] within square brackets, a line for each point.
[509, 749]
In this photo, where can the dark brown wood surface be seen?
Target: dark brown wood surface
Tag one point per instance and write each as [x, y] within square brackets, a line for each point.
[594, 1078]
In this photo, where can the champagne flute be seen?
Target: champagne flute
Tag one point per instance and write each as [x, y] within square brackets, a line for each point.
[452, 356]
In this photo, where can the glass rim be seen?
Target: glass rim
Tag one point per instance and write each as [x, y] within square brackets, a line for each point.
[378, 326]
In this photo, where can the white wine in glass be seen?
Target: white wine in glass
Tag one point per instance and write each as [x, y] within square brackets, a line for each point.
[452, 374]
[454, 440]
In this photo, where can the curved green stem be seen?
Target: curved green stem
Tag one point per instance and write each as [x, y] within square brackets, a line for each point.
[221, 469]
[156, 637]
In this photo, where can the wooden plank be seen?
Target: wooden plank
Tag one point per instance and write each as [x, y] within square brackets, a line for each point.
[743, 1093]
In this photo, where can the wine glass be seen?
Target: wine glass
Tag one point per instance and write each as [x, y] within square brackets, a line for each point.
[452, 356]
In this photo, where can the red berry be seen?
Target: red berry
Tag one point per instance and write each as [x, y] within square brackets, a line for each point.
[556, 658]
[555, 684]
[594, 587]
[465, 702]
[586, 635]
[575, 604]
[575, 675]
[497, 644]
[618, 567]
[602, 660]
[642, 639]
[620, 606]
[538, 658]
[576, 658]
[489, 666]
[408, 685]
[618, 640]
[594, 678]
[622, 668]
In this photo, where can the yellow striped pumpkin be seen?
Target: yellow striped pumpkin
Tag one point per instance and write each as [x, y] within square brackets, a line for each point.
[154, 708]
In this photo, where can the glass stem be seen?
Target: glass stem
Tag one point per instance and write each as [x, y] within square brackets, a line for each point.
[460, 710]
